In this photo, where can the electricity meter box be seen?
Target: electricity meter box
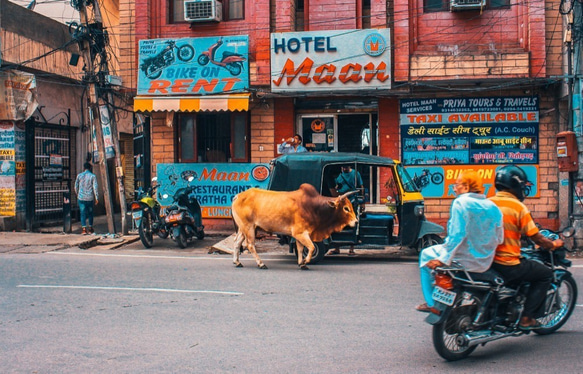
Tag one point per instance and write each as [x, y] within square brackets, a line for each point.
[567, 153]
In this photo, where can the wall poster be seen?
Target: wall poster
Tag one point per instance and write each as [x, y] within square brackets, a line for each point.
[215, 184]
[481, 130]
[437, 181]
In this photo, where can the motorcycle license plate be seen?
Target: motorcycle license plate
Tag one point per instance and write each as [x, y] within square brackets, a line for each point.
[174, 217]
[137, 215]
[443, 296]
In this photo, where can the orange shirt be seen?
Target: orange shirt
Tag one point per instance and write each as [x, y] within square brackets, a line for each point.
[517, 222]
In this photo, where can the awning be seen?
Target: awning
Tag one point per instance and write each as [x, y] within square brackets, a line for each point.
[213, 103]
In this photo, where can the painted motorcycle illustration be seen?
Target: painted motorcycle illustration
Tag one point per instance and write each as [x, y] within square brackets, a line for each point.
[423, 180]
[153, 66]
[231, 61]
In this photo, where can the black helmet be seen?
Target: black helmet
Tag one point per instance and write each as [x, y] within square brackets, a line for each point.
[513, 179]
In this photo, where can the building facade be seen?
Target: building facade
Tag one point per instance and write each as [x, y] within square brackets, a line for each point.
[439, 86]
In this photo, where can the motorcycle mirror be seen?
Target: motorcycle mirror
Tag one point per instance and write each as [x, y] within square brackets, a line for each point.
[568, 232]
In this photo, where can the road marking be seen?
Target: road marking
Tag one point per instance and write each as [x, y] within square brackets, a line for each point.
[228, 257]
[130, 289]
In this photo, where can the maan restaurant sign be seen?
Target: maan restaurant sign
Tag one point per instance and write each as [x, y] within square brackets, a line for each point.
[336, 60]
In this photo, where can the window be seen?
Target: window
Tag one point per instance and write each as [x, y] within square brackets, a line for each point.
[213, 137]
[232, 10]
[443, 5]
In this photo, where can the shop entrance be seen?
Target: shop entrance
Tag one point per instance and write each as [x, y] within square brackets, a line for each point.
[340, 132]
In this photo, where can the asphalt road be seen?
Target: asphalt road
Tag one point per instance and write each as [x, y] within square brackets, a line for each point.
[170, 311]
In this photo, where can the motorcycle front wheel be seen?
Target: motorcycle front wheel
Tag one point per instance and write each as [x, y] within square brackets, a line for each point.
[427, 241]
[145, 231]
[203, 60]
[561, 304]
[185, 52]
[181, 239]
[437, 178]
[447, 335]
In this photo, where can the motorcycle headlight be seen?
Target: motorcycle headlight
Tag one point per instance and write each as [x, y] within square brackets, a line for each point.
[419, 210]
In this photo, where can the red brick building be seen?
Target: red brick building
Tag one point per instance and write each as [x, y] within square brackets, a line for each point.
[499, 51]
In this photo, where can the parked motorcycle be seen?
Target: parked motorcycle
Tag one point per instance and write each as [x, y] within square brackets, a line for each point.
[184, 217]
[153, 66]
[476, 308]
[231, 61]
[148, 216]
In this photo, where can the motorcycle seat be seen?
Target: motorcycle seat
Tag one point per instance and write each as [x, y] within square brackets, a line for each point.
[491, 276]
[228, 54]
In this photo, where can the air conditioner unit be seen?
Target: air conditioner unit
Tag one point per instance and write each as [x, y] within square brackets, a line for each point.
[203, 11]
[457, 5]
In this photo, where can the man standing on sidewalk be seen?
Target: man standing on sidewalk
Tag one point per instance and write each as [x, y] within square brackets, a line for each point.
[86, 189]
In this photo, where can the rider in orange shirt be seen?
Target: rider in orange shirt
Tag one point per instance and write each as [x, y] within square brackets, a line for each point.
[512, 184]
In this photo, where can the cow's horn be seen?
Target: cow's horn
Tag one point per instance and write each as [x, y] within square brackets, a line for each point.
[346, 195]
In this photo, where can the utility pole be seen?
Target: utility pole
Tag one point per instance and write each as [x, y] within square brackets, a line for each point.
[94, 41]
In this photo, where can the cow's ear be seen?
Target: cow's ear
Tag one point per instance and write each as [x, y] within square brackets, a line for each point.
[333, 203]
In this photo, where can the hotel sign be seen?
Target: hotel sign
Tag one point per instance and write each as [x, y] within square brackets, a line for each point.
[340, 60]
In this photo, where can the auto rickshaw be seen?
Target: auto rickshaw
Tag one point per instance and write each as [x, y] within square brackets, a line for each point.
[389, 206]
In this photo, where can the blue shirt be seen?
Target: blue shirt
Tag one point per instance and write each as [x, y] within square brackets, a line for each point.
[86, 186]
[474, 230]
[288, 148]
[347, 182]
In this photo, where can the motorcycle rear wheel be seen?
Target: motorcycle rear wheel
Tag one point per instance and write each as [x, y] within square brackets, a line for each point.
[181, 239]
[145, 231]
[446, 334]
[234, 69]
[564, 300]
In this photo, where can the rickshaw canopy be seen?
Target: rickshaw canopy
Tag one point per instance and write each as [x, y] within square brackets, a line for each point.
[291, 170]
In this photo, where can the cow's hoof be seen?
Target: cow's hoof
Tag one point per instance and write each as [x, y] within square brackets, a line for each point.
[239, 265]
[262, 266]
[304, 267]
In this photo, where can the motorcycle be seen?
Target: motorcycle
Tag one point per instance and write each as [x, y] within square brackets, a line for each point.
[231, 61]
[423, 180]
[153, 66]
[148, 216]
[184, 217]
[476, 308]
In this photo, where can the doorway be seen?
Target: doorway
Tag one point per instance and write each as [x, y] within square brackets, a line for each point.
[339, 132]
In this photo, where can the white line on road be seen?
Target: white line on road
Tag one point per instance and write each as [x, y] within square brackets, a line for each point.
[130, 289]
[228, 257]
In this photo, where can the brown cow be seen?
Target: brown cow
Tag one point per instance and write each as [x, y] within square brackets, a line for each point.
[303, 214]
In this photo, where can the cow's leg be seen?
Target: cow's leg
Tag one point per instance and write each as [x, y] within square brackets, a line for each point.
[300, 252]
[303, 240]
[250, 239]
[239, 238]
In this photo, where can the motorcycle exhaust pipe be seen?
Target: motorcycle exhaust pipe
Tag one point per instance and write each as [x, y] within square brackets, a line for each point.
[482, 337]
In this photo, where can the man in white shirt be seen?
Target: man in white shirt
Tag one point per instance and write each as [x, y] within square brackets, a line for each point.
[474, 230]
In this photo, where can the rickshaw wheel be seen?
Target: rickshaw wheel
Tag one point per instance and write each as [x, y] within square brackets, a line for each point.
[428, 241]
[319, 252]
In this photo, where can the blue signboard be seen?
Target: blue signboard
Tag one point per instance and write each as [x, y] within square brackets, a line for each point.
[482, 130]
[193, 66]
[215, 185]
